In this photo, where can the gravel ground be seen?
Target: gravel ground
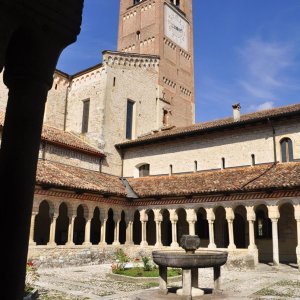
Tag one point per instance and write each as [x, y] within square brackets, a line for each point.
[90, 282]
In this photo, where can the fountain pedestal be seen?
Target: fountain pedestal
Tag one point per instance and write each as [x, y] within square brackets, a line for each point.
[190, 262]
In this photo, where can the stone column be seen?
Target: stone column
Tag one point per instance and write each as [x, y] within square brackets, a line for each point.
[144, 219]
[217, 279]
[117, 221]
[70, 241]
[274, 215]
[87, 233]
[52, 231]
[174, 219]
[103, 232]
[297, 217]
[251, 218]
[230, 218]
[191, 219]
[129, 233]
[163, 280]
[32, 227]
[158, 219]
[211, 219]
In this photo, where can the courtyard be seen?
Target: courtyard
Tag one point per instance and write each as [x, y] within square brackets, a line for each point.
[90, 282]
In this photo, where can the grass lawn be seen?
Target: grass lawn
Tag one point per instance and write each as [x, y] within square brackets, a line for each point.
[139, 272]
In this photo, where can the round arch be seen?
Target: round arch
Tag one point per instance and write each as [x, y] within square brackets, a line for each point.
[182, 224]
[151, 228]
[110, 227]
[240, 228]
[202, 227]
[62, 225]
[122, 228]
[221, 228]
[137, 228]
[42, 224]
[166, 228]
[95, 227]
[79, 226]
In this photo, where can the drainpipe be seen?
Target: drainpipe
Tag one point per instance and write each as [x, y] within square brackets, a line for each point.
[66, 103]
[274, 141]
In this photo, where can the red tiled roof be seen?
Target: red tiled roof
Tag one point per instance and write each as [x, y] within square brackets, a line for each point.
[242, 179]
[62, 138]
[214, 125]
[68, 177]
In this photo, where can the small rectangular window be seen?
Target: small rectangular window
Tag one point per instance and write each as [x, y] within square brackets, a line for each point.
[129, 120]
[223, 163]
[85, 116]
[114, 81]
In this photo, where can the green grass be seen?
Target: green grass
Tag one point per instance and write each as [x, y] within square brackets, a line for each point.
[139, 272]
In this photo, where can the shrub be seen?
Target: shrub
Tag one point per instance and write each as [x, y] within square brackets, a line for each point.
[147, 264]
[121, 260]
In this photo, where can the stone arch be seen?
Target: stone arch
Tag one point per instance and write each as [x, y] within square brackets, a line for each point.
[240, 228]
[137, 228]
[202, 227]
[95, 227]
[182, 224]
[79, 226]
[151, 228]
[221, 227]
[110, 227]
[42, 224]
[166, 228]
[122, 228]
[287, 234]
[62, 224]
[263, 234]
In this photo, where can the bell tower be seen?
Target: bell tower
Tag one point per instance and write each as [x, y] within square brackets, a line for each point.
[164, 28]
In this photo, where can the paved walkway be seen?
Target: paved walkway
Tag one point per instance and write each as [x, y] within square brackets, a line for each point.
[90, 282]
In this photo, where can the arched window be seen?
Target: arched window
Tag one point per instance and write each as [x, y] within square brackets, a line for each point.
[144, 170]
[286, 145]
[263, 225]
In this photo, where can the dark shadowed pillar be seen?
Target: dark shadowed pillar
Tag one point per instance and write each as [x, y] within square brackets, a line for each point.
[33, 33]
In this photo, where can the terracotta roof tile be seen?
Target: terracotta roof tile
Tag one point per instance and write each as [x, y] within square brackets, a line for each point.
[214, 125]
[63, 139]
[260, 177]
[65, 176]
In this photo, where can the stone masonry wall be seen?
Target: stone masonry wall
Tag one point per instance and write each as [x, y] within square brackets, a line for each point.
[235, 146]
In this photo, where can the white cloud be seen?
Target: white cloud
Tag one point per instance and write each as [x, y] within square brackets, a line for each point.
[262, 106]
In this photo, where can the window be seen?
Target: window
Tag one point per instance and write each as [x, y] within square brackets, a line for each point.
[171, 170]
[252, 159]
[176, 2]
[165, 117]
[136, 2]
[129, 119]
[138, 35]
[286, 150]
[144, 170]
[85, 116]
[263, 225]
[223, 163]
[114, 81]
[195, 166]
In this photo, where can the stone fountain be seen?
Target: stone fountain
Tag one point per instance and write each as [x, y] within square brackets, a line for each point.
[189, 261]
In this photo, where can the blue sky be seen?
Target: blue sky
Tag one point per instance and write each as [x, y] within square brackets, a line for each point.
[246, 51]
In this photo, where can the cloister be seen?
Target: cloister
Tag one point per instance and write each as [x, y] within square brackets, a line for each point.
[269, 230]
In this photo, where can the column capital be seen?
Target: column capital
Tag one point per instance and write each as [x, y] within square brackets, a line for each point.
[191, 215]
[157, 215]
[229, 213]
[210, 214]
[297, 212]
[173, 215]
[273, 212]
[251, 216]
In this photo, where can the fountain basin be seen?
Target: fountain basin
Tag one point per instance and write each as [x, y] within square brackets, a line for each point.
[181, 259]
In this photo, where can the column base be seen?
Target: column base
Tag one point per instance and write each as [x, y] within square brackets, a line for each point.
[116, 243]
[174, 245]
[212, 246]
[71, 244]
[129, 243]
[51, 244]
[158, 245]
[231, 247]
[32, 244]
[87, 244]
[143, 244]
[195, 293]
[102, 244]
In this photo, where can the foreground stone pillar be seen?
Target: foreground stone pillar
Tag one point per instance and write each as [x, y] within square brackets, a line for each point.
[52, 230]
[251, 218]
[32, 227]
[211, 219]
[42, 29]
[163, 280]
[103, 232]
[195, 278]
[217, 279]
[230, 218]
[70, 241]
[297, 217]
[274, 216]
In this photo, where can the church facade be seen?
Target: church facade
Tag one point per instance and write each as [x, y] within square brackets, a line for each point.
[122, 163]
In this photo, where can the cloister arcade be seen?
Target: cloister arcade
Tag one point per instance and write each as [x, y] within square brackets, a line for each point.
[268, 230]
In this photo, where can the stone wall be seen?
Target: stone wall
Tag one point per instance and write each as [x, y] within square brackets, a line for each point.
[236, 146]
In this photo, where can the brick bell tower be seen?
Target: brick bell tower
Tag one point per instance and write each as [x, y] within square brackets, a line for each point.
[164, 28]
